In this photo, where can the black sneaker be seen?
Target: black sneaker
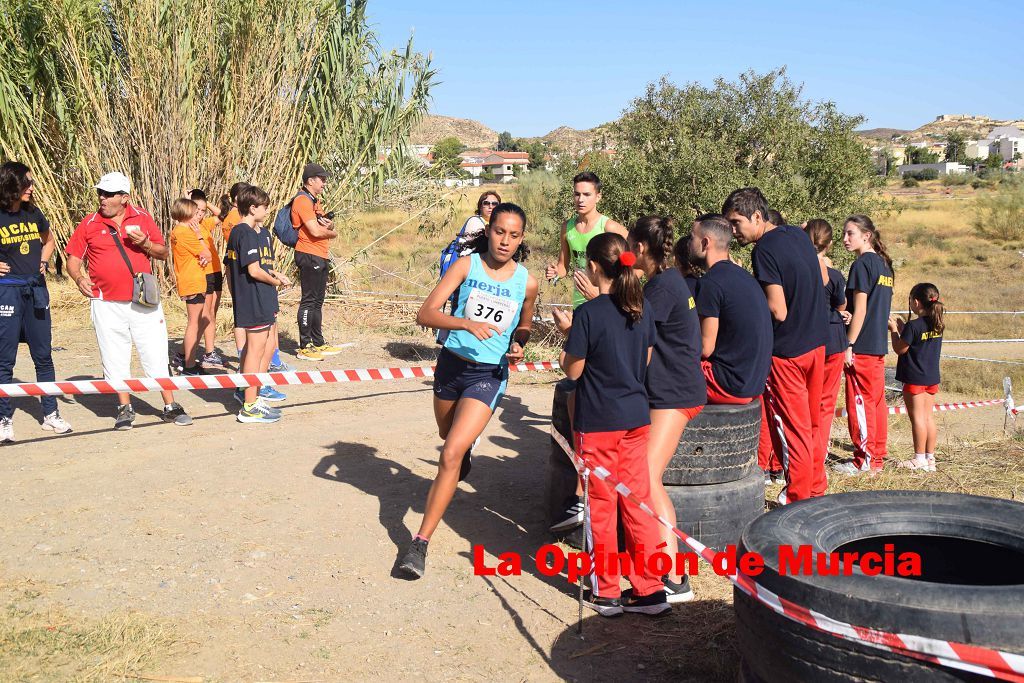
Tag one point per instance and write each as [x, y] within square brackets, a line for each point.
[414, 563]
[572, 518]
[606, 607]
[467, 461]
[173, 412]
[125, 417]
[194, 371]
[677, 592]
[652, 605]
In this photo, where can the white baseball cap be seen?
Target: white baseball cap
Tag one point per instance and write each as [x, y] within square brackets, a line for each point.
[114, 182]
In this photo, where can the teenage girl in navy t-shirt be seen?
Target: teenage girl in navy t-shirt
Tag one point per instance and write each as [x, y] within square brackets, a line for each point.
[607, 351]
[489, 328]
[919, 346]
[868, 298]
[676, 391]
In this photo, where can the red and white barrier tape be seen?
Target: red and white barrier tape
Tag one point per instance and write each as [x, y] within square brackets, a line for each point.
[232, 381]
[1004, 666]
[939, 408]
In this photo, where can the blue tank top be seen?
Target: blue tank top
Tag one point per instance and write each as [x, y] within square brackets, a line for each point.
[484, 299]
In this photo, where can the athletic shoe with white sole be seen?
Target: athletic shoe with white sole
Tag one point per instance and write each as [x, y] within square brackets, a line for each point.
[606, 607]
[676, 593]
[212, 359]
[328, 350]
[268, 393]
[175, 414]
[414, 562]
[280, 367]
[652, 605]
[847, 468]
[125, 417]
[310, 352]
[56, 424]
[257, 413]
[572, 518]
[6, 430]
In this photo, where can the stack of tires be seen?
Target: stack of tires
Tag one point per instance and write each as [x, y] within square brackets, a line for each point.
[713, 480]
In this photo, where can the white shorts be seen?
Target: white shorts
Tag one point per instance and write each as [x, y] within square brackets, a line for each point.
[119, 325]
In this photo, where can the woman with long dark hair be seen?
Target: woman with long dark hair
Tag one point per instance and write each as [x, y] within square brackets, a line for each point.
[26, 245]
[868, 298]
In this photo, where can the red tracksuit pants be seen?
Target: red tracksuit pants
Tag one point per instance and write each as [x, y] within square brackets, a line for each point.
[869, 372]
[624, 454]
[793, 399]
[829, 396]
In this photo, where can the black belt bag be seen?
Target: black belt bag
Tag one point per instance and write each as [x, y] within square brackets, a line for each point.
[145, 290]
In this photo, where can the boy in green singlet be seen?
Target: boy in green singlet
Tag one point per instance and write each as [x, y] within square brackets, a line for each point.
[577, 232]
[572, 257]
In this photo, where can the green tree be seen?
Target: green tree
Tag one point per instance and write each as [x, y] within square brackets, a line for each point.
[994, 161]
[956, 147]
[187, 93]
[681, 150]
[920, 155]
[537, 151]
[506, 143]
[446, 157]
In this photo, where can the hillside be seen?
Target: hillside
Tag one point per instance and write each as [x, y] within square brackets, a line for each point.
[573, 140]
[972, 127]
[470, 133]
[882, 134]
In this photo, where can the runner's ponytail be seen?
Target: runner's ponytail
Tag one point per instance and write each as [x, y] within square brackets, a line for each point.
[927, 294]
[657, 234]
[611, 254]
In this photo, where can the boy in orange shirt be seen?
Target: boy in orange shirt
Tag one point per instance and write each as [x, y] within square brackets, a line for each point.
[191, 256]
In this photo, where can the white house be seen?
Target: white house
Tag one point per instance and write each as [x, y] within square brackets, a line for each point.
[502, 165]
[977, 149]
[943, 167]
[1006, 141]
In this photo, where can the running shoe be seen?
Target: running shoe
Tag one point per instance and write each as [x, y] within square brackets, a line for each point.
[677, 592]
[56, 424]
[606, 607]
[6, 430]
[125, 417]
[280, 367]
[467, 461]
[212, 359]
[652, 605]
[175, 414]
[774, 477]
[309, 352]
[847, 468]
[178, 362]
[572, 518]
[328, 350]
[257, 413]
[414, 562]
[269, 393]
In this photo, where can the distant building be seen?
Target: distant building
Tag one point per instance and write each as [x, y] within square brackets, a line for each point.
[502, 165]
[943, 167]
[1006, 141]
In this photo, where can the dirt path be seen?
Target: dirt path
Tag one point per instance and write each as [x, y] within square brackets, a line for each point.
[268, 551]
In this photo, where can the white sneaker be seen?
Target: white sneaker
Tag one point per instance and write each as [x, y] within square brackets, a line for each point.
[6, 430]
[56, 424]
[930, 459]
[847, 468]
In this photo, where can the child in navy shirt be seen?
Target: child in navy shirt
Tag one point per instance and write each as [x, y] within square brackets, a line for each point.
[919, 346]
[607, 351]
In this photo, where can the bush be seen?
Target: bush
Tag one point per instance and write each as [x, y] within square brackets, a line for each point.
[538, 193]
[924, 174]
[1000, 215]
[910, 182]
[955, 179]
[922, 236]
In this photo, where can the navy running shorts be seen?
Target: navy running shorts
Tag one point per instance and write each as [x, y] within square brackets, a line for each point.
[214, 282]
[455, 378]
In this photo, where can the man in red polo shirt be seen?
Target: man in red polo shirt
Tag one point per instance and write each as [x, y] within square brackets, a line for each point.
[117, 320]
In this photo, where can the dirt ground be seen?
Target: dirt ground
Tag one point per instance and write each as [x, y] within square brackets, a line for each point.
[266, 552]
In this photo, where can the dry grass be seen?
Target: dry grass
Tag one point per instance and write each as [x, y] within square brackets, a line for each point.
[52, 645]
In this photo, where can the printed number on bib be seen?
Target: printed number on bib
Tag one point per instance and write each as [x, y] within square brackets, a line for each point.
[482, 307]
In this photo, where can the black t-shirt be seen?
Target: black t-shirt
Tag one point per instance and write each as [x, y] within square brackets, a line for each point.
[691, 282]
[254, 303]
[835, 293]
[785, 257]
[743, 350]
[870, 275]
[610, 394]
[21, 243]
[674, 377]
[920, 364]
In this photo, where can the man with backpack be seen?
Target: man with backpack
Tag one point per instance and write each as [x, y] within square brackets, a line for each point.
[315, 230]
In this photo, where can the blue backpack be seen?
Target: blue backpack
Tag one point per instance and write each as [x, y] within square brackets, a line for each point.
[283, 228]
[451, 253]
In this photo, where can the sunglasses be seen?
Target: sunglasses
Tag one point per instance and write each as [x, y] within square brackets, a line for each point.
[488, 203]
[103, 194]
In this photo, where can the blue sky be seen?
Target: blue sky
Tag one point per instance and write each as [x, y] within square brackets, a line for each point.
[528, 67]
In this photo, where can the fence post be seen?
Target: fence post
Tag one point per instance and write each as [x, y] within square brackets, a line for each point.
[1010, 417]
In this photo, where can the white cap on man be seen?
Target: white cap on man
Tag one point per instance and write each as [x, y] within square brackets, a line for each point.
[114, 182]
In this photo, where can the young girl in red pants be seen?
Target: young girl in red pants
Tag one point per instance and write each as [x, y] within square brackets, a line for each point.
[607, 351]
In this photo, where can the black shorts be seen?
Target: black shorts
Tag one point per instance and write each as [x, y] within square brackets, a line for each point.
[456, 378]
[214, 282]
[194, 299]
